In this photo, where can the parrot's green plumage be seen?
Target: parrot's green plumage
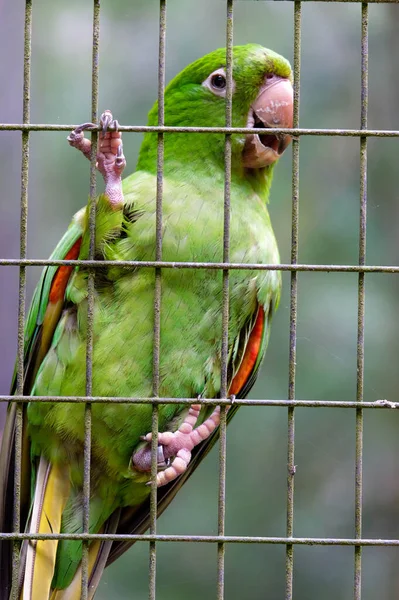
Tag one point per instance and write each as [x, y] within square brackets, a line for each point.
[191, 316]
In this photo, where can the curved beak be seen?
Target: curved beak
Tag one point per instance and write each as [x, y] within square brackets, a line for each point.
[273, 107]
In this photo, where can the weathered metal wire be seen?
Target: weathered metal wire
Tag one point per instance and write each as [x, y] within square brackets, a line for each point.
[157, 298]
[90, 300]
[204, 539]
[289, 562]
[333, 268]
[378, 404]
[225, 304]
[22, 294]
[357, 590]
[295, 132]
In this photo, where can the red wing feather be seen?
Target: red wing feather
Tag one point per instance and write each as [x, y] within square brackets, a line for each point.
[251, 354]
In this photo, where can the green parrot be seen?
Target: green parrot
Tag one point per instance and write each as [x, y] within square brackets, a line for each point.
[123, 322]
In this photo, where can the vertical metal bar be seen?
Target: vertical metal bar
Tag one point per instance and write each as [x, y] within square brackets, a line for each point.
[289, 565]
[90, 302]
[361, 304]
[157, 299]
[22, 292]
[225, 302]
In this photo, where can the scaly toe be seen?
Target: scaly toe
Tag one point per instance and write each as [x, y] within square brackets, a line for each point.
[77, 139]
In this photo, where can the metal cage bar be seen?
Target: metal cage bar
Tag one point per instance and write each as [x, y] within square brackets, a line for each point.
[90, 301]
[291, 403]
[361, 304]
[157, 297]
[295, 132]
[377, 404]
[334, 268]
[22, 294]
[205, 539]
[289, 564]
[225, 304]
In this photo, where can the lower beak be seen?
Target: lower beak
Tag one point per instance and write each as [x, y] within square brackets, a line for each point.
[273, 107]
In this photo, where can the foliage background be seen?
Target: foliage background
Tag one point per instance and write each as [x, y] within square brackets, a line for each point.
[327, 313]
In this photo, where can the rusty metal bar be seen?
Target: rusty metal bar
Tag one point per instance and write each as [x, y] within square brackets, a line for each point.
[289, 562]
[157, 298]
[361, 305]
[377, 404]
[22, 295]
[225, 303]
[90, 301]
[169, 129]
[204, 265]
[337, 1]
[204, 539]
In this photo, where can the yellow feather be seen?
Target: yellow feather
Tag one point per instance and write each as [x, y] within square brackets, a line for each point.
[51, 495]
[73, 591]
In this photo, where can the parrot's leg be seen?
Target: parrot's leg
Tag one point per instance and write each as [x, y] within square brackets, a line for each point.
[177, 444]
[110, 159]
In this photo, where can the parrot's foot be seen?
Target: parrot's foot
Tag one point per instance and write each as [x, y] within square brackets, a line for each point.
[110, 159]
[176, 445]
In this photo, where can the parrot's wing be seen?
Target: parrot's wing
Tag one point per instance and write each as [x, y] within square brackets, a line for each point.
[251, 341]
[43, 316]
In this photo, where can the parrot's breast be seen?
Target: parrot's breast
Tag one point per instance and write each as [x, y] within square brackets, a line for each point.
[191, 320]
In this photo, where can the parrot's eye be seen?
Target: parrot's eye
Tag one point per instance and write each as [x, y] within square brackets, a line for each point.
[216, 83]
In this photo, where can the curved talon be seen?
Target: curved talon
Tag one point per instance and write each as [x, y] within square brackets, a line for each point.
[142, 459]
[84, 126]
[77, 140]
[120, 160]
[105, 120]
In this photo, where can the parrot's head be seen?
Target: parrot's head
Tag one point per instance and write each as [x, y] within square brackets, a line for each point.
[262, 97]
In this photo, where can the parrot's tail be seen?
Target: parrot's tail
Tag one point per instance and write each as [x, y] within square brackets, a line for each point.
[38, 558]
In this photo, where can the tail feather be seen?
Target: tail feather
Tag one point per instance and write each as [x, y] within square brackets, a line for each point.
[51, 494]
[74, 589]
[40, 575]
[98, 557]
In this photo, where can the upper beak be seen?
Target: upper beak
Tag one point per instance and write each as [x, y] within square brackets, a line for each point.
[273, 107]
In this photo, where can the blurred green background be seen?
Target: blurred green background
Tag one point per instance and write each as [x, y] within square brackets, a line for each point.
[327, 307]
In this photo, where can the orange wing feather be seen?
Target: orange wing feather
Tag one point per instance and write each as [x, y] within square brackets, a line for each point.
[61, 277]
[250, 355]
[54, 308]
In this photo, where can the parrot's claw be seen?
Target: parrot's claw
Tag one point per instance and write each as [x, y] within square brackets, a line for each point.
[110, 158]
[177, 445]
[108, 122]
[77, 140]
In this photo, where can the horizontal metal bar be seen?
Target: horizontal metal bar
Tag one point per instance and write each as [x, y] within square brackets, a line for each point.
[38, 262]
[226, 130]
[332, 1]
[205, 539]
[205, 401]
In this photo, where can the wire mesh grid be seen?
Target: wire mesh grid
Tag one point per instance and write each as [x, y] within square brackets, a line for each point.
[221, 539]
